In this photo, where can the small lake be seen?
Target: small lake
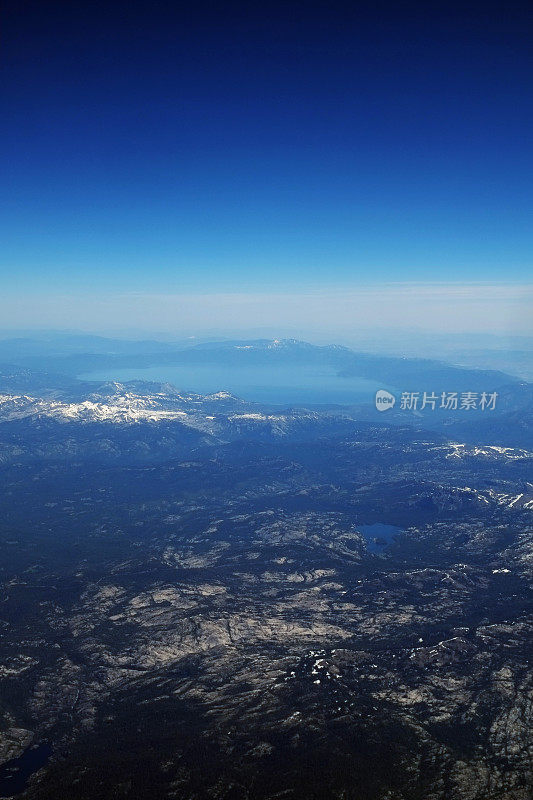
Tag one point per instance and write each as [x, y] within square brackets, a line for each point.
[378, 536]
[293, 385]
[14, 774]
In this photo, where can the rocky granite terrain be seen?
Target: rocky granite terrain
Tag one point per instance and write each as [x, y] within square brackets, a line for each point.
[201, 598]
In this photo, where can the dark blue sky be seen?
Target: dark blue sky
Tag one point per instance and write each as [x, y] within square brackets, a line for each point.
[256, 146]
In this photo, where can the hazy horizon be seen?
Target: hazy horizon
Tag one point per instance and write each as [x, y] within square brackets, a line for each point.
[482, 309]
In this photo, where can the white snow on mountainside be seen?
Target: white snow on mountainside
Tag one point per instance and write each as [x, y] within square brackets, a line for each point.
[208, 413]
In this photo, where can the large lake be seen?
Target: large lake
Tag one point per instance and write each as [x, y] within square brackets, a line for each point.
[284, 384]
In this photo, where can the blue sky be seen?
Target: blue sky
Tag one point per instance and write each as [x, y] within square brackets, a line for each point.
[149, 149]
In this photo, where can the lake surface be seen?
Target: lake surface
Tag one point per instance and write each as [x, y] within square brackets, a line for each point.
[14, 774]
[378, 536]
[284, 384]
